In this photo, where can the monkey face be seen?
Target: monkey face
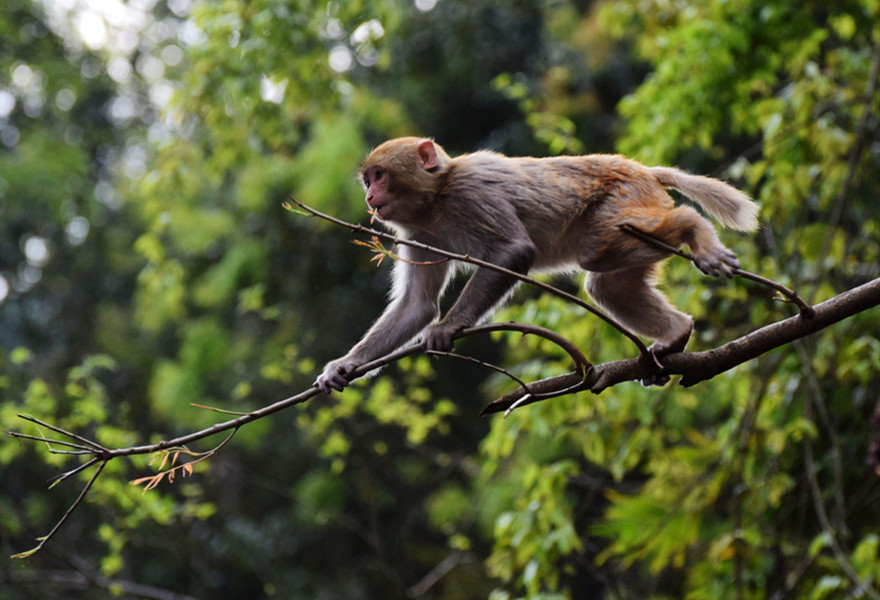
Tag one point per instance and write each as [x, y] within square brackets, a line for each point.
[389, 201]
[401, 177]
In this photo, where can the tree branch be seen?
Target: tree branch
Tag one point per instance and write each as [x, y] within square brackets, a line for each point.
[103, 455]
[695, 367]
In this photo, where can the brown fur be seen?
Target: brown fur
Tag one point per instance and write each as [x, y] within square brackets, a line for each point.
[525, 214]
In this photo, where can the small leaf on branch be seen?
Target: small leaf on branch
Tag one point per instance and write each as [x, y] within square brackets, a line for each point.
[219, 410]
[156, 480]
[380, 252]
[291, 208]
[26, 553]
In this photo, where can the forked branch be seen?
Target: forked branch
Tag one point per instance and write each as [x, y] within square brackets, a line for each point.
[170, 449]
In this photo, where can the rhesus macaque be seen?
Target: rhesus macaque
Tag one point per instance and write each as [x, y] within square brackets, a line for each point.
[533, 214]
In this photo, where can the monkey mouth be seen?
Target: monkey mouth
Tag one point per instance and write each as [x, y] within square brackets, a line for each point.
[374, 210]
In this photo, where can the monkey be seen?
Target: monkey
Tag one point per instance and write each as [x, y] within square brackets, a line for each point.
[526, 214]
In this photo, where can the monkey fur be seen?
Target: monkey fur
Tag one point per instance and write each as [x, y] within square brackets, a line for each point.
[534, 214]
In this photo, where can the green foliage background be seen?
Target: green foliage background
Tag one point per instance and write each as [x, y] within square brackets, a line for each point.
[147, 264]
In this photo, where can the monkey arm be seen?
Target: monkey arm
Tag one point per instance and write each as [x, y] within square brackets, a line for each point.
[485, 289]
[414, 304]
[400, 322]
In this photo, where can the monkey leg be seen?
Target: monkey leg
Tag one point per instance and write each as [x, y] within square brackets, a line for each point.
[604, 247]
[630, 297]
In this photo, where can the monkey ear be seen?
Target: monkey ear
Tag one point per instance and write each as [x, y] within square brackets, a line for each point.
[428, 155]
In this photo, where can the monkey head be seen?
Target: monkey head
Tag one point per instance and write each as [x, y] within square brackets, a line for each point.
[401, 179]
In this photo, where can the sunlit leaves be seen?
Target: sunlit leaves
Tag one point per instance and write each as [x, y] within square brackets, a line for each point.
[244, 263]
[532, 538]
[83, 403]
[32, 181]
[326, 166]
[161, 295]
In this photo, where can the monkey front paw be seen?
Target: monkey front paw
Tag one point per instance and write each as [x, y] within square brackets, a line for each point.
[336, 375]
[439, 337]
[717, 261]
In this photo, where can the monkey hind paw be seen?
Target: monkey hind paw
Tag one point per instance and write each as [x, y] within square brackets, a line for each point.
[672, 345]
[661, 348]
[717, 262]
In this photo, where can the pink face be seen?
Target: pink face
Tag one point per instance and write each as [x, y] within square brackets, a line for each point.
[388, 195]
[378, 198]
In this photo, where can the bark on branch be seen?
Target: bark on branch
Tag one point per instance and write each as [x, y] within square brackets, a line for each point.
[695, 367]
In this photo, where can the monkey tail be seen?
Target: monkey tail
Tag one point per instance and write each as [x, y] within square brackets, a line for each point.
[730, 206]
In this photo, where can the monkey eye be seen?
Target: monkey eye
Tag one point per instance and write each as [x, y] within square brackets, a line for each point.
[378, 174]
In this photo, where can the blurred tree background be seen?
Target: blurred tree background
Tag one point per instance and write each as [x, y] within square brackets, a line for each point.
[146, 263]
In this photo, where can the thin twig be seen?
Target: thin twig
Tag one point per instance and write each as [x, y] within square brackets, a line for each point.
[795, 577]
[217, 427]
[65, 516]
[237, 413]
[151, 481]
[75, 580]
[532, 397]
[527, 393]
[437, 573]
[69, 434]
[482, 363]
[818, 399]
[695, 366]
[38, 438]
[643, 350]
[62, 476]
[805, 309]
[582, 365]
